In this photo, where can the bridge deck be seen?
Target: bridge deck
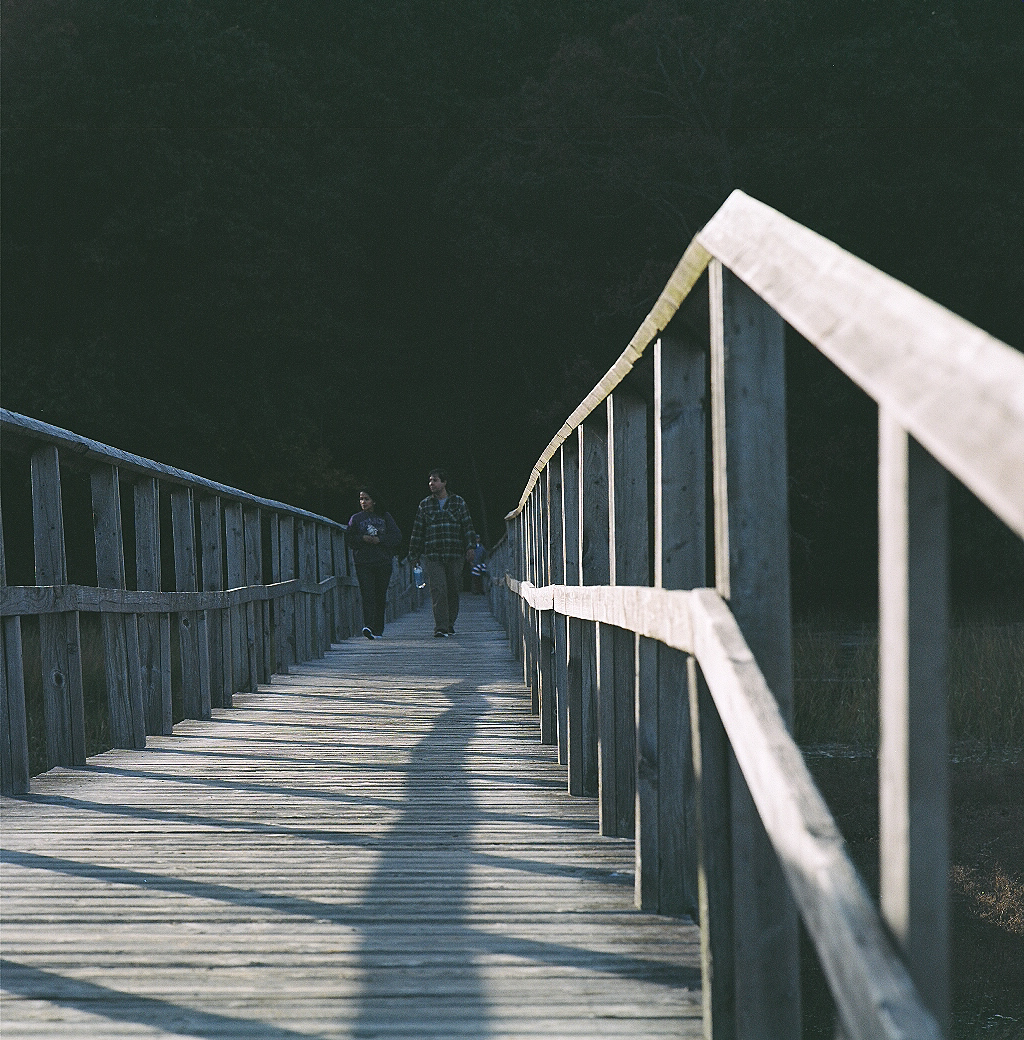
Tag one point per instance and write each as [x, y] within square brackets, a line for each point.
[374, 845]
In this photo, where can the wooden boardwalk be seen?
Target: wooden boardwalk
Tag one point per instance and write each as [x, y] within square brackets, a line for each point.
[376, 845]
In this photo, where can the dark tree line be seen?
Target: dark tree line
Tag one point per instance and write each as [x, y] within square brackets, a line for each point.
[292, 246]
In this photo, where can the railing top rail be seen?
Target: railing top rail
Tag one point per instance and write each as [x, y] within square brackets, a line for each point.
[13, 423]
[957, 390]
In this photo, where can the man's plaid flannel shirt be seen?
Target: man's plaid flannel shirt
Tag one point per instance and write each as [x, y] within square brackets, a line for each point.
[441, 531]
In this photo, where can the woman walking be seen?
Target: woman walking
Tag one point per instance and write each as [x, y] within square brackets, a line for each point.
[373, 537]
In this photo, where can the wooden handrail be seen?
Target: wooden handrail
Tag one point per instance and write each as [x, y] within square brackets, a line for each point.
[840, 916]
[609, 659]
[240, 617]
[952, 386]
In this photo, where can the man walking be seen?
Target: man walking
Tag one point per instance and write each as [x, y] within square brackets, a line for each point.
[442, 534]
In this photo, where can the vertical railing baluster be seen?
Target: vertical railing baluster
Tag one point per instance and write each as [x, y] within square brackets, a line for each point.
[125, 704]
[573, 712]
[154, 629]
[288, 603]
[254, 608]
[341, 598]
[594, 570]
[194, 650]
[14, 767]
[307, 572]
[60, 642]
[277, 604]
[628, 565]
[234, 558]
[666, 874]
[556, 554]
[752, 573]
[336, 541]
[323, 569]
[913, 763]
[548, 702]
[218, 628]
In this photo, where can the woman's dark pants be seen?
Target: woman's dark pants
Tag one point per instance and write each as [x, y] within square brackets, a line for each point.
[374, 579]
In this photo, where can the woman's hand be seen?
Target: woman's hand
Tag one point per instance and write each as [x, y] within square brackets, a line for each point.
[375, 539]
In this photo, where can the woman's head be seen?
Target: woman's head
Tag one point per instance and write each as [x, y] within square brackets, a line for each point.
[367, 499]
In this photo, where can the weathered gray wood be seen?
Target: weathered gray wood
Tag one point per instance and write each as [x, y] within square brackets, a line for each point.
[306, 620]
[60, 644]
[288, 570]
[14, 769]
[952, 386]
[752, 572]
[234, 558]
[125, 700]
[710, 757]
[279, 634]
[341, 630]
[55, 599]
[370, 882]
[195, 675]
[666, 878]
[680, 404]
[218, 625]
[154, 629]
[872, 986]
[325, 566]
[253, 576]
[594, 570]
[628, 565]
[571, 566]
[913, 752]
[556, 555]
[83, 449]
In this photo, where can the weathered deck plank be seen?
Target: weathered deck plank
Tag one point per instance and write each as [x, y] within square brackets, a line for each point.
[374, 845]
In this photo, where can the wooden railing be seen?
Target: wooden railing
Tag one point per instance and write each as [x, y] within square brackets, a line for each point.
[674, 707]
[263, 586]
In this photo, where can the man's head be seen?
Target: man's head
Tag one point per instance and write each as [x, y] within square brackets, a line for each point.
[437, 481]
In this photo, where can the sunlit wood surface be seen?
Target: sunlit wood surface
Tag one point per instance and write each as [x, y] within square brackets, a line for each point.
[375, 845]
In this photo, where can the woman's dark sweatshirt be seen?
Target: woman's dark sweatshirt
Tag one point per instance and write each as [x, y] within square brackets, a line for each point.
[368, 554]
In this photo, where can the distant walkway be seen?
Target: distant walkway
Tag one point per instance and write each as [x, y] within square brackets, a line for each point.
[375, 845]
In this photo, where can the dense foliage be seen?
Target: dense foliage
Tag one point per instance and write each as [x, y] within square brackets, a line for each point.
[295, 245]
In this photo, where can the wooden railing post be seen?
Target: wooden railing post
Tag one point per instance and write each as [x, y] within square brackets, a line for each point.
[307, 572]
[154, 629]
[752, 574]
[280, 666]
[343, 598]
[594, 570]
[666, 830]
[234, 556]
[194, 649]
[913, 765]
[14, 771]
[287, 603]
[60, 643]
[533, 574]
[556, 556]
[545, 635]
[323, 553]
[218, 630]
[253, 609]
[628, 565]
[571, 658]
[125, 705]
[337, 539]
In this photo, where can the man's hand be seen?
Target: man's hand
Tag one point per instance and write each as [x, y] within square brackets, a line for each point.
[470, 553]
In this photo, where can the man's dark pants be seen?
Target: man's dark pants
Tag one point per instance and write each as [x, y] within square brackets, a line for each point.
[444, 576]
